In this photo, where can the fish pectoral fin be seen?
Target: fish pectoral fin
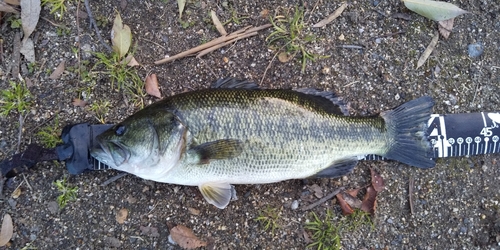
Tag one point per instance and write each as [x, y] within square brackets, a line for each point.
[337, 169]
[217, 194]
[217, 150]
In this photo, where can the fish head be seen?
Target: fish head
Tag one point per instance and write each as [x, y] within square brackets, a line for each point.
[146, 144]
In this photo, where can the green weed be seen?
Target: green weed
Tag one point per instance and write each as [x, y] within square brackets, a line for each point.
[100, 109]
[50, 135]
[327, 233]
[125, 77]
[16, 98]
[57, 7]
[290, 36]
[68, 193]
[269, 217]
[15, 22]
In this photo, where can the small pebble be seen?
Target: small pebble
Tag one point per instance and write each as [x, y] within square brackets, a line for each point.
[390, 221]
[475, 49]
[295, 205]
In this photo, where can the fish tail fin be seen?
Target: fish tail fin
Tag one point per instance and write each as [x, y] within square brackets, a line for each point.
[408, 123]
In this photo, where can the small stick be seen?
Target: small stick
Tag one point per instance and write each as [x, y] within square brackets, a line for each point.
[206, 51]
[92, 23]
[113, 179]
[350, 47]
[329, 196]
[20, 134]
[410, 193]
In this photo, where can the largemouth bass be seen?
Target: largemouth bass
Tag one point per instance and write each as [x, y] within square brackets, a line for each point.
[235, 133]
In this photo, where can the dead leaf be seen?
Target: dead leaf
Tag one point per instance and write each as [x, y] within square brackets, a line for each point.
[346, 209]
[218, 24]
[28, 50]
[353, 192]
[186, 238]
[318, 191]
[352, 201]
[79, 102]
[7, 230]
[434, 10]
[152, 86]
[369, 201]
[58, 71]
[121, 216]
[193, 211]
[7, 8]
[284, 57]
[264, 13]
[332, 16]
[121, 36]
[13, 2]
[16, 193]
[445, 27]
[30, 13]
[377, 180]
[181, 4]
[130, 60]
[428, 50]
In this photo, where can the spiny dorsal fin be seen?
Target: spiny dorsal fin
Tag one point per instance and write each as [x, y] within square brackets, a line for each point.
[217, 194]
[216, 150]
[338, 107]
[233, 83]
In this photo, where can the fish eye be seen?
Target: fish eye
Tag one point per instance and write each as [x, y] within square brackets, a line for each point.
[120, 130]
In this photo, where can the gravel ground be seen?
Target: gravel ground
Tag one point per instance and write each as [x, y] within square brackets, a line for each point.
[456, 204]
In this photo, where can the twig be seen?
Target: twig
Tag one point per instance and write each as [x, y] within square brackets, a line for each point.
[155, 43]
[410, 193]
[351, 83]
[93, 23]
[27, 183]
[239, 34]
[270, 63]
[206, 51]
[388, 35]
[113, 179]
[20, 134]
[350, 46]
[329, 196]
[2, 181]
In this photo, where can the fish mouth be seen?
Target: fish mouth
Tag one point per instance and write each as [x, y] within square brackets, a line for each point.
[110, 152]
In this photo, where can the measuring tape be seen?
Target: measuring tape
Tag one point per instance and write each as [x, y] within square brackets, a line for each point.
[454, 135]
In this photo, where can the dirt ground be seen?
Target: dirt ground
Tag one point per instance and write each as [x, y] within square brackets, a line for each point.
[456, 204]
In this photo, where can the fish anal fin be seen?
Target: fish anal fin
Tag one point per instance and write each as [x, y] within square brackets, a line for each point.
[217, 150]
[217, 194]
[233, 83]
[337, 169]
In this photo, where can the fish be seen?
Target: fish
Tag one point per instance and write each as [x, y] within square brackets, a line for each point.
[237, 133]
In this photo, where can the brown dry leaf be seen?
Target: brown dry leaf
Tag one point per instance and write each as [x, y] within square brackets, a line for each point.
[346, 209]
[264, 13]
[151, 85]
[7, 230]
[13, 2]
[30, 13]
[79, 102]
[16, 193]
[149, 231]
[318, 191]
[428, 50]
[445, 27]
[194, 211]
[332, 16]
[369, 201]
[284, 57]
[58, 71]
[218, 24]
[353, 192]
[7, 8]
[121, 216]
[352, 201]
[377, 180]
[186, 238]
[131, 61]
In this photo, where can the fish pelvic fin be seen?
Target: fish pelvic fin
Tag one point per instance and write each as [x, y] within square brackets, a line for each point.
[408, 124]
[217, 194]
[217, 150]
[337, 169]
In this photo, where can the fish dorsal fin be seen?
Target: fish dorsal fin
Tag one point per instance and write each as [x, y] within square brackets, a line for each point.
[233, 83]
[217, 150]
[217, 194]
[326, 99]
[337, 169]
